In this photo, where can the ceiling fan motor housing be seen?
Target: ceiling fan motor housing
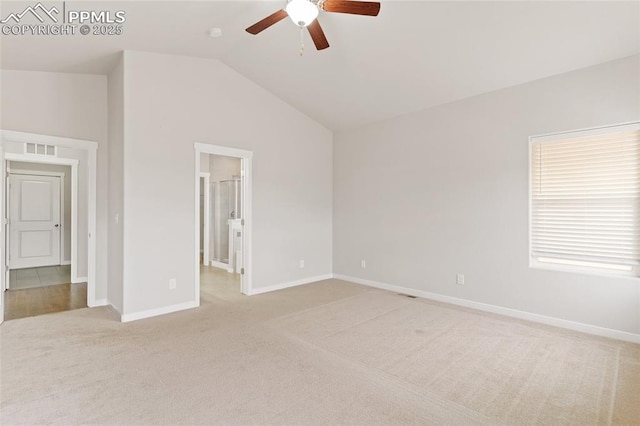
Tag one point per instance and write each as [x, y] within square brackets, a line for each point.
[302, 12]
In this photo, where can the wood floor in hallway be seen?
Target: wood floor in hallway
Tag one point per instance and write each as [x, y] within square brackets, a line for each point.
[44, 300]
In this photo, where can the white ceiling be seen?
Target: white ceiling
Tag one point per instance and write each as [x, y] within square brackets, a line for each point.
[414, 55]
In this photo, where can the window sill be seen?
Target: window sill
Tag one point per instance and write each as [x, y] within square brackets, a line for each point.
[535, 264]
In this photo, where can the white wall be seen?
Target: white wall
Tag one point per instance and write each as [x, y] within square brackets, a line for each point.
[223, 168]
[204, 163]
[116, 185]
[66, 208]
[171, 103]
[66, 105]
[443, 191]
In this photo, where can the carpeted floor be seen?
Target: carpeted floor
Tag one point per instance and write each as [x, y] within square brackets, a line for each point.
[326, 353]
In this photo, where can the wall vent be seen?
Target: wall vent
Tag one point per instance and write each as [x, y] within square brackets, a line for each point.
[40, 149]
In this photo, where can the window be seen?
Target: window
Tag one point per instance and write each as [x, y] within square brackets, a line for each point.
[585, 200]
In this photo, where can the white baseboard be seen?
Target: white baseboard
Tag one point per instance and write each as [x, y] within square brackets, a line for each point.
[65, 262]
[289, 284]
[543, 319]
[79, 280]
[159, 311]
[99, 302]
[115, 312]
[220, 265]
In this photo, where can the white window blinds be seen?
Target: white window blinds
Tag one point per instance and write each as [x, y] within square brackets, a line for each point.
[585, 193]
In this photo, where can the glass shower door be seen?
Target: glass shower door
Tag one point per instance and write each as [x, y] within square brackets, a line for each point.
[226, 205]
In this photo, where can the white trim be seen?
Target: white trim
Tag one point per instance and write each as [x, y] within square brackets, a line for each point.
[74, 225]
[196, 295]
[92, 170]
[534, 263]
[82, 280]
[220, 265]
[23, 137]
[63, 224]
[41, 159]
[65, 262]
[224, 151]
[246, 166]
[591, 131]
[4, 271]
[91, 149]
[246, 172]
[159, 311]
[34, 172]
[514, 313]
[207, 217]
[290, 284]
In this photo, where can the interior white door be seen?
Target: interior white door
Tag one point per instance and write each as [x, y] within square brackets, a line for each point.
[34, 221]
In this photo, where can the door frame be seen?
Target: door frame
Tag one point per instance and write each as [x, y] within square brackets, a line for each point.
[206, 258]
[90, 148]
[245, 175]
[63, 199]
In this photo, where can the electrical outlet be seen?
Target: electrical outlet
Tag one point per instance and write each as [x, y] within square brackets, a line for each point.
[363, 264]
[460, 279]
[301, 264]
[172, 284]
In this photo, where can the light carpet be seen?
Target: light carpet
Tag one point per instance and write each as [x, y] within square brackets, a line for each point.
[326, 353]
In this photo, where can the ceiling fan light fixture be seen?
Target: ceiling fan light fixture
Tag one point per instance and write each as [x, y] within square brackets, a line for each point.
[302, 12]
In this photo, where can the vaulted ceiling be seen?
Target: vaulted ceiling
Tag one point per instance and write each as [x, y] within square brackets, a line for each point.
[414, 55]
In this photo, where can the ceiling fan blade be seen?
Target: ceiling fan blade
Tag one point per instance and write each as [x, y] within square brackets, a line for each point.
[317, 35]
[369, 8]
[262, 25]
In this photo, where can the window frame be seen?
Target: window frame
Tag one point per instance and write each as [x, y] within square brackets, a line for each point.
[534, 262]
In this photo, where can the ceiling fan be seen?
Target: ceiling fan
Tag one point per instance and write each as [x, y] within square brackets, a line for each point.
[304, 13]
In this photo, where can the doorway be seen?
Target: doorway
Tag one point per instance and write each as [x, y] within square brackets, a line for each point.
[223, 226]
[220, 225]
[34, 151]
[38, 241]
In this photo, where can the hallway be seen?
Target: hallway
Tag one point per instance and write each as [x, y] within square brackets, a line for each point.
[38, 291]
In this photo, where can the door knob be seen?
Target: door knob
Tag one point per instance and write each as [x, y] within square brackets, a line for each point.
[56, 225]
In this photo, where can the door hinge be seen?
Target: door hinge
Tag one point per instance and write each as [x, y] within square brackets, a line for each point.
[242, 222]
[241, 271]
